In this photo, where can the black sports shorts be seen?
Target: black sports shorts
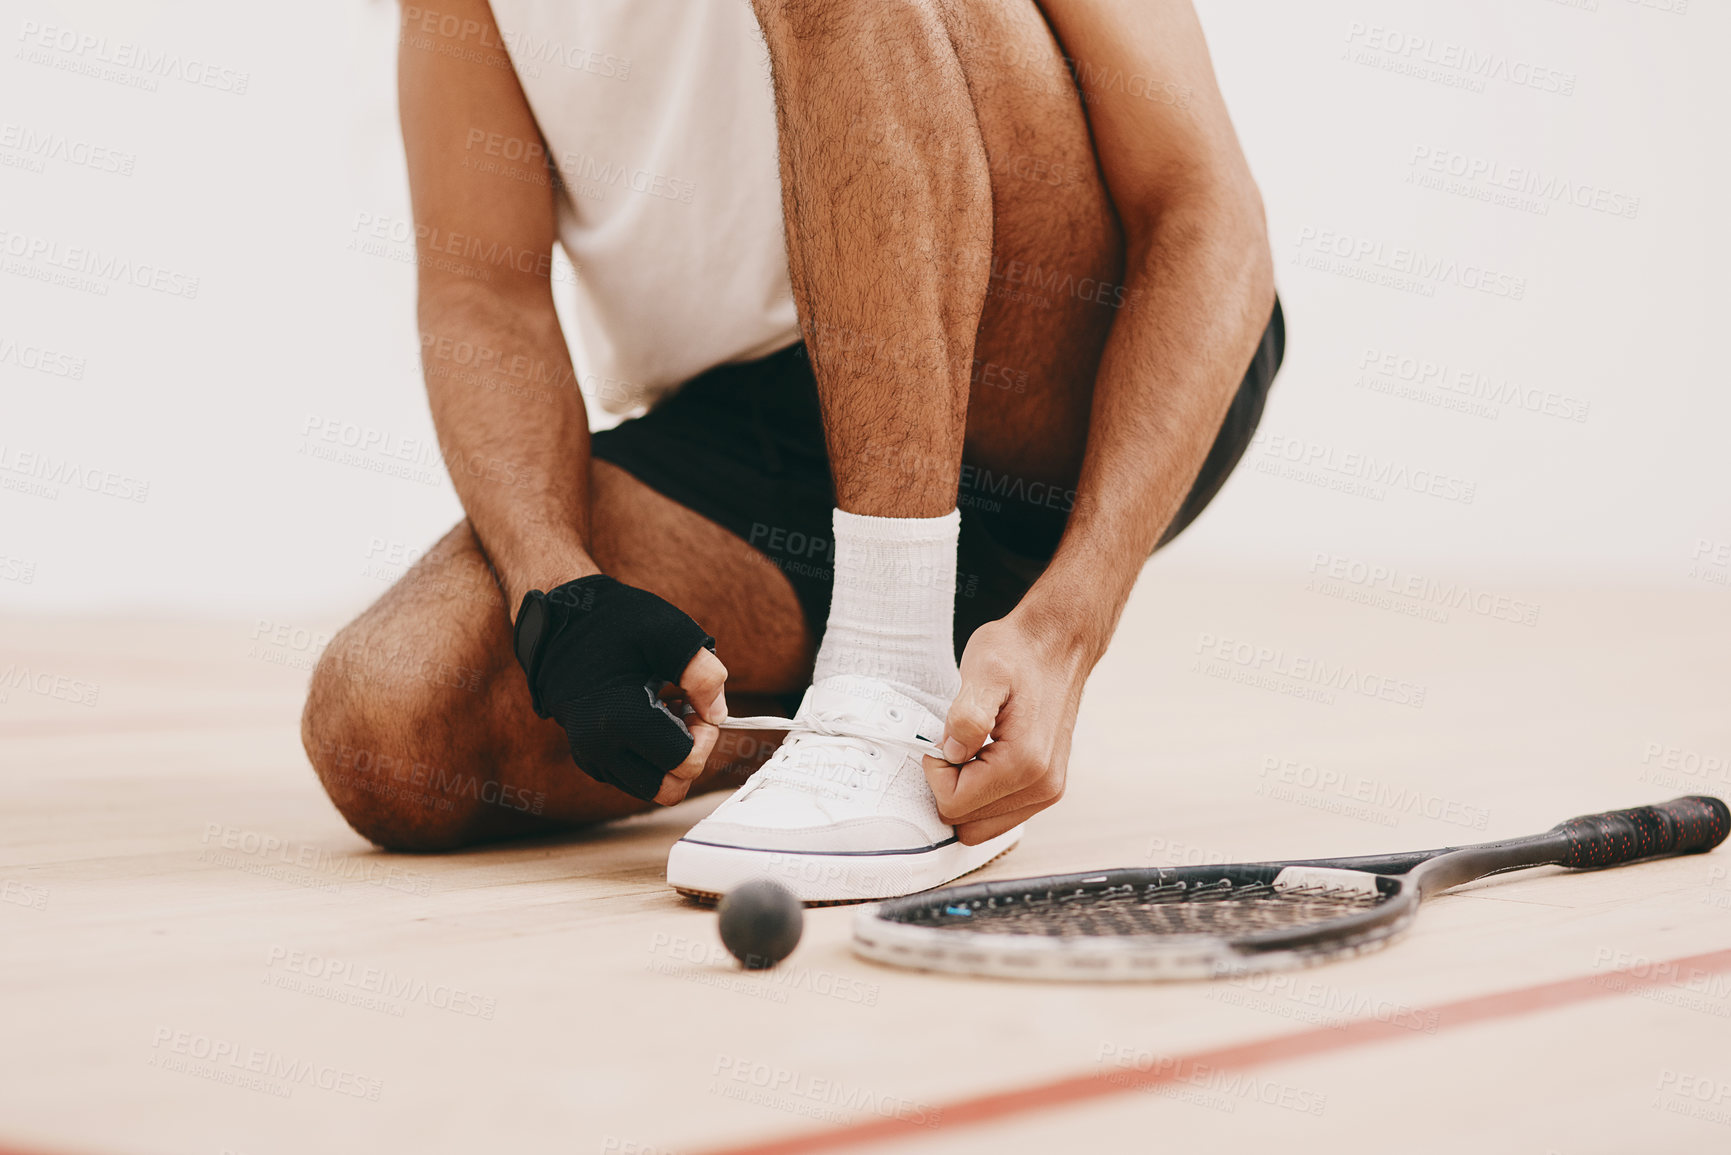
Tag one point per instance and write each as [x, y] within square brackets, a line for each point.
[742, 444]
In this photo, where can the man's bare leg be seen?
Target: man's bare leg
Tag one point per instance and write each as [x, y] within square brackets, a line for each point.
[1057, 250]
[888, 244]
[901, 124]
[902, 127]
[418, 718]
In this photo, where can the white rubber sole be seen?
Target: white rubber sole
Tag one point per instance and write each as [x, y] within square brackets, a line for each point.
[708, 872]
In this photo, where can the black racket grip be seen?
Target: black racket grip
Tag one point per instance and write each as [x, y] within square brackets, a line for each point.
[1685, 825]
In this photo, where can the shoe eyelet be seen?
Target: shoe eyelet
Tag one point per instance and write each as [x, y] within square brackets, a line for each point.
[895, 713]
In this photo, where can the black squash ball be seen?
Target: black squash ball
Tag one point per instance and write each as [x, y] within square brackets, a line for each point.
[761, 923]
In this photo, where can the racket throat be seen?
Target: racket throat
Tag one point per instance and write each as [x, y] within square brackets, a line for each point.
[1459, 867]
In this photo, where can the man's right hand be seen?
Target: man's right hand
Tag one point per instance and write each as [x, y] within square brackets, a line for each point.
[597, 653]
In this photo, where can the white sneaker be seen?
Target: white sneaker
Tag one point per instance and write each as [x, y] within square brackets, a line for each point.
[841, 812]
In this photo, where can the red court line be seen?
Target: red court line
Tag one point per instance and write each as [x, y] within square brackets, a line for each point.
[994, 1108]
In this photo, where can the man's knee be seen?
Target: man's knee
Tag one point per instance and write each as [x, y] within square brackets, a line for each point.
[379, 740]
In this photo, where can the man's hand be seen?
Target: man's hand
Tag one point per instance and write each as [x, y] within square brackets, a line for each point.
[1021, 686]
[597, 654]
[704, 686]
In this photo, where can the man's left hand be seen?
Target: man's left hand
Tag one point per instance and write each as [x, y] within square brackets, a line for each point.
[1021, 686]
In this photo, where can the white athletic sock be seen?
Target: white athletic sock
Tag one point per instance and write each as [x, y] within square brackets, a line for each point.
[893, 610]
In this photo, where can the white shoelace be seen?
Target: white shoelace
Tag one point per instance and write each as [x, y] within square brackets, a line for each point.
[834, 726]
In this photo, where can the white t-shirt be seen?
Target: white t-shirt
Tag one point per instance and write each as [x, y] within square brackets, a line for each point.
[661, 120]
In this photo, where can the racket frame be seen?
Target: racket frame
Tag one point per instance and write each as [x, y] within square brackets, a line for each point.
[1404, 879]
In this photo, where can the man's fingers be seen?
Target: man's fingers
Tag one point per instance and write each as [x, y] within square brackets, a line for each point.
[1000, 780]
[974, 833]
[1036, 796]
[961, 791]
[973, 713]
[679, 779]
[942, 777]
[672, 790]
[705, 684]
[703, 737]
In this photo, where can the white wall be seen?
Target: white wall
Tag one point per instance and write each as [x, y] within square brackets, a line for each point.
[255, 193]
[1622, 314]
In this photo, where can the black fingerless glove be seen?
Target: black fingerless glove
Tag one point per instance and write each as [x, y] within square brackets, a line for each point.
[596, 652]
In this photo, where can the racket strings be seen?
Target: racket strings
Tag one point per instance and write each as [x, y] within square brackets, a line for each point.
[1220, 910]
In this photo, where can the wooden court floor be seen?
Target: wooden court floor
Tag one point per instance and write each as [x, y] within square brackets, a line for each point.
[197, 955]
